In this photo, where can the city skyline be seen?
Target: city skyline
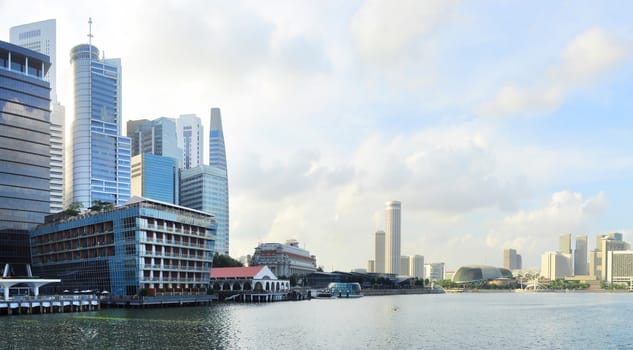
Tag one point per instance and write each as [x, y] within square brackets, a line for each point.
[493, 134]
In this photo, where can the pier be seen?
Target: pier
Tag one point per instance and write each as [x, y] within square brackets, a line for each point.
[28, 305]
[143, 302]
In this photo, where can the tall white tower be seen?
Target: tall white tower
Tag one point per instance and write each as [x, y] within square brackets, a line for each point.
[392, 237]
[190, 140]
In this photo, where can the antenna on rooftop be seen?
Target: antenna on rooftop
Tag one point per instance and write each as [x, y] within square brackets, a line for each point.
[90, 30]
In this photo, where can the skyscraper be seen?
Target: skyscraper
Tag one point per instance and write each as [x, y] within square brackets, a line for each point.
[379, 261]
[42, 37]
[98, 161]
[190, 140]
[158, 136]
[155, 177]
[565, 243]
[24, 149]
[580, 256]
[416, 266]
[204, 188]
[392, 237]
[217, 159]
[511, 260]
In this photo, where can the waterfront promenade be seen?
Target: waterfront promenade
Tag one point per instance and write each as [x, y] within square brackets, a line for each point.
[42, 304]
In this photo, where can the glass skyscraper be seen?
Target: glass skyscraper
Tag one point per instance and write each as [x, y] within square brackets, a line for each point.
[98, 161]
[155, 177]
[24, 149]
[158, 136]
[217, 159]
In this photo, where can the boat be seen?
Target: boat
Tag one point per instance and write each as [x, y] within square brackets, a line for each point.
[324, 294]
[345, 290]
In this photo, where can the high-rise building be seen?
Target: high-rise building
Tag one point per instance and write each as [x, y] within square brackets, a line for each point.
[98, 159]
[619, 266]
[217, 159]
[565, 243]
[24, 149]
[155, 177]
[204, 188]
[190, 140]
[416, 266]
[580, 256]
[404, 266]
[556, 265]
[599, 261]
[371, 266]
[392, 237]
[41, 37]
[511, 260]
[434, 271]
[379, 256]
[158, 136]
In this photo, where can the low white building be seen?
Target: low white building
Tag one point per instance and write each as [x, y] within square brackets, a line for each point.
[284, 259]
[556, 265]
[434, 271]
[619, 266]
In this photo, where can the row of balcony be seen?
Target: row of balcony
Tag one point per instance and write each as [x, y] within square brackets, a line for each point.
[175, 267]
[174, 255]
[171, 280]
[173, 242]
[171, 230]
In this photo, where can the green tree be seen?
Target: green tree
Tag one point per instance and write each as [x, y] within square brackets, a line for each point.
[99, 205]
[221, 260]
[73, 209]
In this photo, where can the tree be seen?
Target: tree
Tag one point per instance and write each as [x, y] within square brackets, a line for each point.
[73, 209]
[99, 205]
[221, 260]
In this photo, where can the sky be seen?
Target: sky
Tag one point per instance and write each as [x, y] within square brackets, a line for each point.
[497, 124]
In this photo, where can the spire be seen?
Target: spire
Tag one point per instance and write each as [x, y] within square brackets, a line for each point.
[90, 30]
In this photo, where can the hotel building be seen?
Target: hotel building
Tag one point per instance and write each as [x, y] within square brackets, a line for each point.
[144, 244]
[284, 259]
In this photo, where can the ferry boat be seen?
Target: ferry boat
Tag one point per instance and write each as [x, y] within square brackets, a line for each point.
[345, 290]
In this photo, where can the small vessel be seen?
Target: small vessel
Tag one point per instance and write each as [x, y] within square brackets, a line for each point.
[324, 294]
[345, 290]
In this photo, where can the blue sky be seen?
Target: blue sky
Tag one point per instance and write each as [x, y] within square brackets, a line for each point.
[498, 124]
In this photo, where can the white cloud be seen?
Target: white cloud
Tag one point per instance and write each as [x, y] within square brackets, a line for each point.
[586, 58]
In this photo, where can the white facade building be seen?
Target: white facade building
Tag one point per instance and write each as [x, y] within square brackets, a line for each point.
[190, 140]
[434, 271]
[392, 237]
[556, 265]
[416, 266]
[619, 266]
[284, 259]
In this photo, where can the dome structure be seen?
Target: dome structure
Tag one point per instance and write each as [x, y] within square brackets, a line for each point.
[480, 273]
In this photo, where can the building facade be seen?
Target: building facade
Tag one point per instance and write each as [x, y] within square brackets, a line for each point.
[142, 245]
[580, 256]
[98, 159]
[24, 141]
[434, 271]
[556, 265]
[511, 260]
[379, 265]
[155, 177]
[416, 266]
[217, 148]
[205, 188]
[190, 140]
[599, 261]
[392, 237]
[404, 266]
[371, 266]
[158, 136]
[565, 243]
[619, 266]
[284, 259]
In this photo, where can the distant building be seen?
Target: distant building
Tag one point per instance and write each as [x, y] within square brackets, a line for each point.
[565, 243]
[246, 279]
[158, 136]
[392, 236]
[434, 271]
[580, 256]
[511, 260]
[205, 188]
[416, 266]
[404, 266]
[619, 266]
[284, 259]
[217, 159]
[155, 177]
[556, 265]
[190, 140]
[599, 257]
[143, 244]
[371, 266]
[379, 255]
[480, 273]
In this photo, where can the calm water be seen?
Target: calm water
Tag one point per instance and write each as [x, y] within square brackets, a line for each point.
[449, 321]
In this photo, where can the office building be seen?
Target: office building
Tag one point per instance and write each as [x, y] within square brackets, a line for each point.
[190, 140]
[204, 188]
[217, 149]
[142, 245]
[284, 259]
[404, 266]
[158, 136]
[371, 266]
[41, 37]
[98, 159]
[599, 259]
[416, 266]
[565, 243]
[580, 256]
[155, 177]
[392, 237]
[434, 271]
[24, 146]
[379, 265]
[511, 260]
[619, 267]
[556, 265]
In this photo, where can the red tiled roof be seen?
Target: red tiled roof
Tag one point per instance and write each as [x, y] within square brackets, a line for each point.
[230, 272]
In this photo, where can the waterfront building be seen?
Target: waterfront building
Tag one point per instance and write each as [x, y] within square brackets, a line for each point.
[158, 136]
[155, 177]
[404, 266]
[481, 274]
[41, 37]
[217, 159]
[580, 256]
[284, 259]
[251, 279]
[416, 266]
[371, 266]
[98, 158]
[24, 150]
[434, 271]
[190, 140]
[619, 267]
[379, 255]
[392, 237]
[599, 257]
[205, 188]
[556, 265]
[144, 245]
[511, 260]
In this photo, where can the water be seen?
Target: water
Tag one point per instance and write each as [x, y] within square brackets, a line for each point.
[448, 321]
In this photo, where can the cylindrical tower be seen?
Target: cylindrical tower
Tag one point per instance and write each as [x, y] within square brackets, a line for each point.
[392, 237]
